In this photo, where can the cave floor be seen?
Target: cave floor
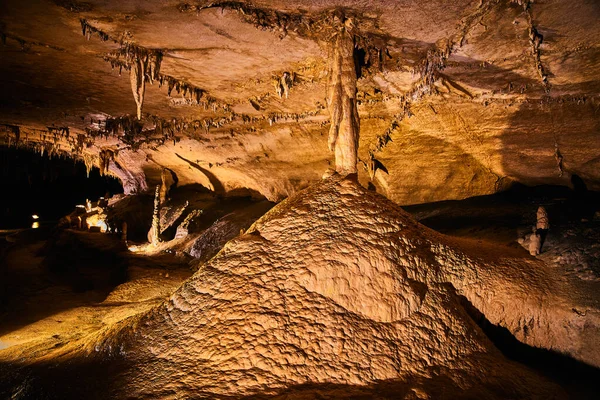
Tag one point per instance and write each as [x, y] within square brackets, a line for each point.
[499, 225]
[51, 300]
[56, 292]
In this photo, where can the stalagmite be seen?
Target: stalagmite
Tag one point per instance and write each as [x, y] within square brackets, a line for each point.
[341, 101]
[124, 232]
[542, 218]
[137, 75]
[535, 244]
[153, 235]
[167, 181]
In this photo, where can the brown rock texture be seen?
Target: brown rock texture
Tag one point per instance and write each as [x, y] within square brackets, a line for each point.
[339, 286]
[341, 100]
[455, 100]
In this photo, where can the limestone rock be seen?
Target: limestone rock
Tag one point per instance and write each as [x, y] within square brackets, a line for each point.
[170, 216]
[224, 229]
[188, 224]
[339, 286]
[454, 99]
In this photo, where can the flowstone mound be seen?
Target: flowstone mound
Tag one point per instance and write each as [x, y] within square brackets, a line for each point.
[338, 286]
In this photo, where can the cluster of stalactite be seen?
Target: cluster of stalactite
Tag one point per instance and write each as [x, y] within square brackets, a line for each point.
[43, 142]
[61, 131]
[263, 18]
[301, 23]
[89, 161]
[43, 148]
[15, 130]
[81, 141]
[74, 6]
[151, 59]
[26, 44]
[546, 100]
[284, 83]
[169, 128]
[143, 65]
[429, 71]
[375, 54]
[568, 99]
[194, 94]
[296, 117]
[126, 124]
[88, 31]
[149, 67]
[105, 157]
[320, 26]
[117, 63]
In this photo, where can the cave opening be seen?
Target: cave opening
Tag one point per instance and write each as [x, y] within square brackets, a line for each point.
[48, 187]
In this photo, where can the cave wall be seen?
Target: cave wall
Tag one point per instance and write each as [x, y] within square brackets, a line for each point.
[454, 100]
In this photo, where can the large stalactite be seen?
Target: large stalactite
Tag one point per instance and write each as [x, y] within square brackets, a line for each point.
[341, 100]
[138, 83]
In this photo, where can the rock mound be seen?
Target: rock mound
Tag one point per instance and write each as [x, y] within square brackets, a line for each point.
[338, 286]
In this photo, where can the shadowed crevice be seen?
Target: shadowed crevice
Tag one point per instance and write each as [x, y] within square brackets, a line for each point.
[216, 184]
[577, 378]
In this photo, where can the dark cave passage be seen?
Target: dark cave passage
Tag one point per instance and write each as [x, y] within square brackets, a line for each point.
[49, 187]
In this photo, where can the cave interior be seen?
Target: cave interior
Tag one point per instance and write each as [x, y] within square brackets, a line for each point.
[270, 199]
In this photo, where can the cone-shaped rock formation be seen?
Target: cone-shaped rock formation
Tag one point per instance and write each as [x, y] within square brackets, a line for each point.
[339, 286]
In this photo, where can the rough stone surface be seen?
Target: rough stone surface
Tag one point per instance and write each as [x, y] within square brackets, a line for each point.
[454, 100]
[212, 239]
[339, 286]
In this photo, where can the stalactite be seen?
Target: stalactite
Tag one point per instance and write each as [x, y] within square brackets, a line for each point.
[341, 97]
[137, 75]
[88, 30]
[105, 157]
[144, 66]
[559, 160]
[14, 129]
[284, 83]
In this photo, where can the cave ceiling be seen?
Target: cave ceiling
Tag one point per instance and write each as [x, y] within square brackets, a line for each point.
[455, 98]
